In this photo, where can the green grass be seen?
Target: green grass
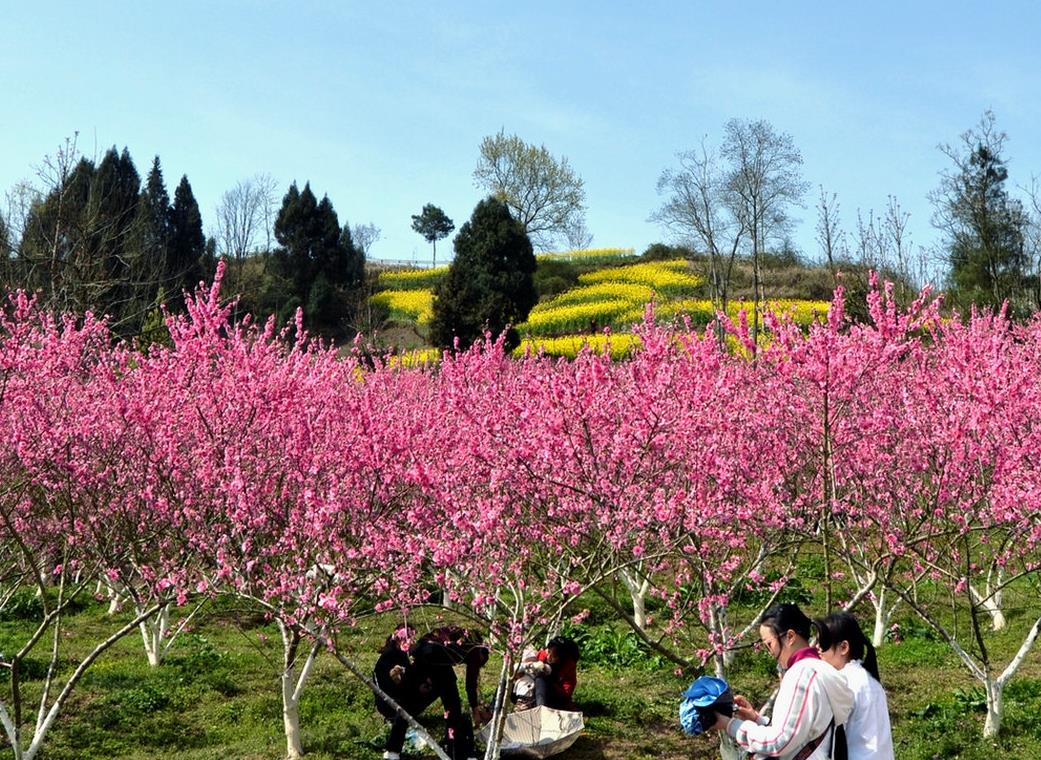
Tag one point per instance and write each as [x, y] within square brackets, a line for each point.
[217, 694]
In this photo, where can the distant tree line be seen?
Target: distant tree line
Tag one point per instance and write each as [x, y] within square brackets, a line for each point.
[94, 236]
[736, 202]
[97, 240]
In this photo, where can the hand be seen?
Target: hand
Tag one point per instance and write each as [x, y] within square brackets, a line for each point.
[481, 715]
[397, 673]
[743, 709]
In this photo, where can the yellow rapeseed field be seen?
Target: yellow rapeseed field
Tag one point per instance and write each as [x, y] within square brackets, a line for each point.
[621, 345]
[407, 305]
[412, 279]
[604, 291]
[571, 318]
[664, 277]
[590, 255]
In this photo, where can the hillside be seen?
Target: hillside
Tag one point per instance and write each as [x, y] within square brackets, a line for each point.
[583, 293]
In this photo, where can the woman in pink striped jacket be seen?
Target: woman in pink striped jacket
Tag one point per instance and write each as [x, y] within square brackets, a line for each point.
[812, 701]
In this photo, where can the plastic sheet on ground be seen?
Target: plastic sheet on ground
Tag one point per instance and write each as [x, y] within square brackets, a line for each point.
[537, 733]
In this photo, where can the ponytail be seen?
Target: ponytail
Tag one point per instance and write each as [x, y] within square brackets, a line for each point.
[870, 660]
[841, 626]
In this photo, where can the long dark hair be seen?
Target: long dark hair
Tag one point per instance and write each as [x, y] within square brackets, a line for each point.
[566, 648]
[786, 617]
[841, 626]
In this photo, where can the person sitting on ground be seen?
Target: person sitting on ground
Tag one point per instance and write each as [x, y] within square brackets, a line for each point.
[844, 646]
[431, 677]
[556, 689]
[530, 668]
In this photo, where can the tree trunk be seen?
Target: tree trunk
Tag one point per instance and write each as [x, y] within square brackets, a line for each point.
[493, 749]
[291, 717]
[728, 749]
[878, 635]
[995, 708]
[991, 603]
[637, 586]
[290, 693]
[153, 633]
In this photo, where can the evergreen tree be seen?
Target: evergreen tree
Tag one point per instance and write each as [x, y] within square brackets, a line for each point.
[154, 220]
[318, 261]
[984, 227]
[184, 263]
[490, 282]
[53, 255]
[81, 239]
[112, 239]
[352, 263]
[433, 224]
[7, 268]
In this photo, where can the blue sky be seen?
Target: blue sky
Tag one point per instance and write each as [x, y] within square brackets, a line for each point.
[382, 106]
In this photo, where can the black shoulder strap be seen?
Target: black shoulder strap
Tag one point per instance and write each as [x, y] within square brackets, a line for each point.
[810, 748]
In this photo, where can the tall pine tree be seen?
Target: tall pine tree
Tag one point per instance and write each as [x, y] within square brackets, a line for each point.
[154, 219]
[184, 262]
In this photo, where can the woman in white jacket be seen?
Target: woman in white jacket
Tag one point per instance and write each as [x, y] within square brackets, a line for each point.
[812, 701]
[843, 644]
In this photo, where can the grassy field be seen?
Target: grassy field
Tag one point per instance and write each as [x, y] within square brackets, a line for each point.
[217, 695]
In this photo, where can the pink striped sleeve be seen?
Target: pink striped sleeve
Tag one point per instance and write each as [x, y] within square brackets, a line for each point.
[794, 704]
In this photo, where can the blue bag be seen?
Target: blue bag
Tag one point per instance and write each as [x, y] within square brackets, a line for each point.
[701, 701]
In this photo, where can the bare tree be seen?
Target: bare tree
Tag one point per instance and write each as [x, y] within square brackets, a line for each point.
[699, 212]
[830, 235]
[245, 216]
[543, 193]
[18, 202]
[365, 236]
[983, 227]
[1032, 237]
[578, 235]
[765, 180]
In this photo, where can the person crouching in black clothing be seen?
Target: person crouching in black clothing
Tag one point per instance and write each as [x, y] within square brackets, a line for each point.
[430, 677]
[391, 668]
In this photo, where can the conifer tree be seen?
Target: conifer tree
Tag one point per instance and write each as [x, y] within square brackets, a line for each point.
[490, 283]
[187, 242]
[318, 260]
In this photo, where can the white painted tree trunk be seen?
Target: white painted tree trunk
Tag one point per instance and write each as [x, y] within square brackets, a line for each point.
[637, 585]
[48, 711]
[883, 616]
[995, 708]
[990, 600]
[291, 716]
[153, 632]
[493, 749]
[994, 687]
[728, 749]
[115, 599]
[292, 685]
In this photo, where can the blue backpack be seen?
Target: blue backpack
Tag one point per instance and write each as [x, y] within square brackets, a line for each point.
[701, 701]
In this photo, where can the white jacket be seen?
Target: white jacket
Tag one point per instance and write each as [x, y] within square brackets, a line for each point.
[868, 735]
[812, 693]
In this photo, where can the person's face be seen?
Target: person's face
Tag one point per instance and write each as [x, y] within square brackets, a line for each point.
[771, 642]
[779, 647]
[837, 656]
[552, 656]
